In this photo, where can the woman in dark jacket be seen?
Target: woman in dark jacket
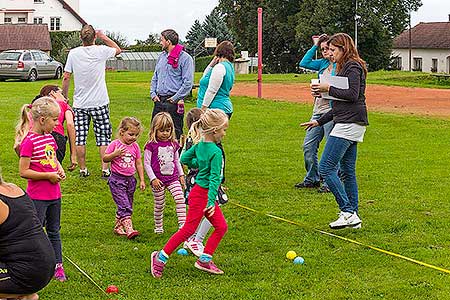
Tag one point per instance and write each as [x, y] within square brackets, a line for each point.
[349, 113]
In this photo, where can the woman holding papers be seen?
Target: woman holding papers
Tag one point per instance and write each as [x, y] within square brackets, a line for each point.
[349, 114]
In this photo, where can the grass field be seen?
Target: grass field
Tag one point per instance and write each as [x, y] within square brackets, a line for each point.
[402, 172]
[396, 78]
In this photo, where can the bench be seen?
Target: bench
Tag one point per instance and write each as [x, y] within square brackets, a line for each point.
[441, 76]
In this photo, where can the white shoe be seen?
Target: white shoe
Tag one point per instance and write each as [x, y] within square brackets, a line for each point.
[195, 246]
[346, 219]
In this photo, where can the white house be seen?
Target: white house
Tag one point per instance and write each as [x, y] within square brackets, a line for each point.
[430, 48]
[59, 15]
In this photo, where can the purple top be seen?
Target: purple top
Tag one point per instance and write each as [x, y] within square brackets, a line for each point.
[161, 160]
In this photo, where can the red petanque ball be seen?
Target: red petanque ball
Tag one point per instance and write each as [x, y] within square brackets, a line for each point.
[112, 289]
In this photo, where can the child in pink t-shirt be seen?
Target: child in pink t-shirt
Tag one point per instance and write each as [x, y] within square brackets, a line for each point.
[65, 116]
[125, 157]
[38, 164]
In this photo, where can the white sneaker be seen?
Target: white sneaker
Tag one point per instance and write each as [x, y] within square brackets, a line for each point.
[346, 219]
[195, 246]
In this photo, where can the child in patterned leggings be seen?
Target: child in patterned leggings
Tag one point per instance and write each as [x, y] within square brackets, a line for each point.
[162, 164]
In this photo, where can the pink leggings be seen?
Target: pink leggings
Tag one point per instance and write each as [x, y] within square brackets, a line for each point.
[198, 198]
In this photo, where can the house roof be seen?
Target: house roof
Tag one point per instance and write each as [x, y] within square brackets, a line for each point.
[433, 35]
[24, 36]
[72, 11]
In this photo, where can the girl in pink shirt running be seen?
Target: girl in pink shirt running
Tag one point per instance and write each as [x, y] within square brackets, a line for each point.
[124, 155]
[38, 164]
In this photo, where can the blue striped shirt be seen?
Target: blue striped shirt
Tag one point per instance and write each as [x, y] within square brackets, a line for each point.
[168, 80]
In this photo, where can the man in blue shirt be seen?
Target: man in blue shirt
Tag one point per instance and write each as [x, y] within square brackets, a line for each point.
[172, 80]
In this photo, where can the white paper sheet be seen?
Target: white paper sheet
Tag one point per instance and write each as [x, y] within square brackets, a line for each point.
[336, 81]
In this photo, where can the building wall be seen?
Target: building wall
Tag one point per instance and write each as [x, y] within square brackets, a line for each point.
[442, 55]
[48, 9]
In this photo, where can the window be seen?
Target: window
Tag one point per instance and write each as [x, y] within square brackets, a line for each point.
[417, 64]
[9, 56]
[434, 65]
[44, 56]
[36, 56]
[8, 20]
[38, 20]
[21, 20]
[397, 63]
[55, 23]
[26, 56]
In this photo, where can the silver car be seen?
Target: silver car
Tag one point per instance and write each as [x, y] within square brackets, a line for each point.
[28, 65]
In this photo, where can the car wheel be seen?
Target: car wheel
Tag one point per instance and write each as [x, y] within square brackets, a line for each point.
[58, 73]
[33, 75]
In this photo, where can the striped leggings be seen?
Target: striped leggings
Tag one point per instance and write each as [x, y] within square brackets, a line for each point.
[160, 203]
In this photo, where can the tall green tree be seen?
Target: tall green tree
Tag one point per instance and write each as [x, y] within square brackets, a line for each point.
[280, 45]
[378, 22]
[195, 36]
[289, 24]
[213, 26]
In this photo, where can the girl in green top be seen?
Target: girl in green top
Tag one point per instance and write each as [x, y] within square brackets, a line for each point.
[207, 157]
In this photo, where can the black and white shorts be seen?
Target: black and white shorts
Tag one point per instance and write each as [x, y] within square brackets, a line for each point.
[101, 122]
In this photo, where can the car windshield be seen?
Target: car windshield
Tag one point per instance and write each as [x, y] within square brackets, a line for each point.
[9, 55]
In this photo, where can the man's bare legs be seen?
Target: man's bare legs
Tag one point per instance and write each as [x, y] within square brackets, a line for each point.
[101, 150]
[81, 157]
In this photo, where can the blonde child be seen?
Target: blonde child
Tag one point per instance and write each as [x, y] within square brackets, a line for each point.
[207, 157]
[65, 115]
[162, 164]
[124, 155]
[195, 242]
[38, 164]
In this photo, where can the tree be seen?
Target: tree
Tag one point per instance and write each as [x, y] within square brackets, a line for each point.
[379, 22]
[151, 44]
[213, 26]
[280, 46]
[195, 36]
[118, 38]
[289, 24]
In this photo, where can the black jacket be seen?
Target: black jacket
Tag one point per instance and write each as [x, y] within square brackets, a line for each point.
[352, 106]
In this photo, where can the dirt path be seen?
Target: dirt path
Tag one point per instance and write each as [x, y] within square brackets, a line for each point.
[418, 101]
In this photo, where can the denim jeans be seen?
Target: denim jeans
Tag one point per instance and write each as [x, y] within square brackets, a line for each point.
[49, 213]
[311, 144]
[340, 151]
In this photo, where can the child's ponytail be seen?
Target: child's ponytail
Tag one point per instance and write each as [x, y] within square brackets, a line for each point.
[23, 126]
[210, 121]
[196, 131]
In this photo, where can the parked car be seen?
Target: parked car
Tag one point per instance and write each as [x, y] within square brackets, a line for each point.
[28, 65]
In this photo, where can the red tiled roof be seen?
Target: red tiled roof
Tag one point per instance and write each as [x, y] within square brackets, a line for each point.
[433, 35]
[24, 36]
[72, 11]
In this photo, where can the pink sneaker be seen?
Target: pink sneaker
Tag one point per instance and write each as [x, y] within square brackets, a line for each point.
[156, 266]
[209, 267]
[59, 273]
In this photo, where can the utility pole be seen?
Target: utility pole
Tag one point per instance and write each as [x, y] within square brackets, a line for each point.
[409, 33]
[356, 23]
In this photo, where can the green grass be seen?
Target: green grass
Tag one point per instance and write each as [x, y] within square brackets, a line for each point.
[402, 172]
[390, 78]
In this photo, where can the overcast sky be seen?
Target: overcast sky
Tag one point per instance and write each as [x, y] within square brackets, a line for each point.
[136, 19]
